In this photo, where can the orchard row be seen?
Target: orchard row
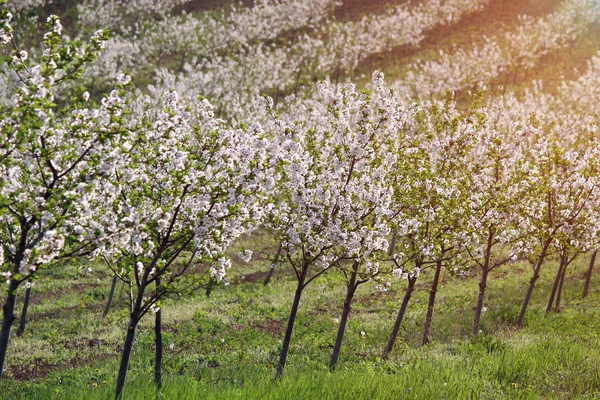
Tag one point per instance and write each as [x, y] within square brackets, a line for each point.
[349, 180]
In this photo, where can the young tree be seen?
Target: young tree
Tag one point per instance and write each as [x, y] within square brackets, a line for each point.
[496, 186]
[430, 204]
[331, 177]
[558, 196]
[52, 146]
[385, 127]
[452, 136]
[182, 187]
[581, 234]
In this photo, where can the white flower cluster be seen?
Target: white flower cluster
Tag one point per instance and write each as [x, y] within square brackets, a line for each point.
[335, 188]
[245, 255]
[5, 27]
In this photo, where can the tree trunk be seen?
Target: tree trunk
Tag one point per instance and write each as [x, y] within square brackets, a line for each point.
[125, 355]
[588, 275]
[291, 320]
[110, 297]
[8, 308]
[297, 81]
[8, 318]
[561, 265]
[560, 286]
[130, 298]
[134, 318]
[431, 305]
[480, 298]
[272, 269]
[527, 299]
[23, 319]
[350, 290]
[532, 281]
[158, 342]
[483, 282]
[396, 328]
[392, 245]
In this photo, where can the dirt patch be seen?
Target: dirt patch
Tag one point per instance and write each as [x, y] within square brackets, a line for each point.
[25, 372]
[375, 297]
[271, 326]
[80, 288]
[208, 5]
[83, 343]
[41, 297]
[251, 278]
[40, 369]
[65, 311]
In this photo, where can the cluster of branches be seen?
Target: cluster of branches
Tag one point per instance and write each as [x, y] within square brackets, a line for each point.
[149, 186]
[382, 193]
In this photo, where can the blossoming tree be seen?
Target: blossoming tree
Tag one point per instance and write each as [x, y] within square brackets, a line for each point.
[497, 182]
[182, 187]
[50, 158]
[331, 176]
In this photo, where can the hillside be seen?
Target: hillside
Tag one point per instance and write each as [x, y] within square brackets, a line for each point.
[370, 154]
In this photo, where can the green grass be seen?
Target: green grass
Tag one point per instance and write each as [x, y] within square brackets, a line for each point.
[226, 345]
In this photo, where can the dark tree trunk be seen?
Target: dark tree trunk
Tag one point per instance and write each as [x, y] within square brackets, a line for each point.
[396, 328]
[8, 318]
[272, 268]
[130, 297]
[110, 297]
[134, 318]
[527, 299]
[588, 275]
[483, 282]
[350, 290]
[392, 245]
[23, 319]
[431, 305]
[560, 286]
[125, 355]
[8, 308]
[297, 81]
[158, 342]
[561, 265]
[532, 281]
[480, 298]
[291, 320]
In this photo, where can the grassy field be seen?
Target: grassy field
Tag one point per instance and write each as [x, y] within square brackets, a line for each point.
[226, 345]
